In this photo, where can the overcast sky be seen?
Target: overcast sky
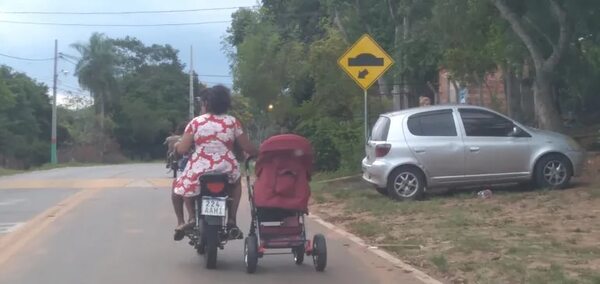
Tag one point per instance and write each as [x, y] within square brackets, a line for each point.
[37, 41]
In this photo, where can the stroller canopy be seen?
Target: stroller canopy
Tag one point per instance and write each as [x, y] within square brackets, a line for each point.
[286, 142]
[283, 170]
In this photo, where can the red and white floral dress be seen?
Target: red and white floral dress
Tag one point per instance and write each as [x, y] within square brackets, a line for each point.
[214, 137]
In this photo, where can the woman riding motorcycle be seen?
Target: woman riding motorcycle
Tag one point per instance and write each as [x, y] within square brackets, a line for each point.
[214, 134]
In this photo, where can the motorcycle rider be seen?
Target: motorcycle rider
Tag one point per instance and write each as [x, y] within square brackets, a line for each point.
[170, 142]
[214, 134]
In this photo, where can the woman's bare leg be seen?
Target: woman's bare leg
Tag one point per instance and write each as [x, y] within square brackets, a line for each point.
[236, 195]
[178, 207]
[189, 205]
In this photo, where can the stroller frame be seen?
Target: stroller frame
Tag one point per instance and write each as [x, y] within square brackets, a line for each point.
[268, 230]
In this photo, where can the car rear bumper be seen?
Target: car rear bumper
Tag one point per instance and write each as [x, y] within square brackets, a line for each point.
[375, 173]
[578, 160]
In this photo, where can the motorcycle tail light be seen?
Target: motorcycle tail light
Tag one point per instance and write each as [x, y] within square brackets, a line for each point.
[215, 187]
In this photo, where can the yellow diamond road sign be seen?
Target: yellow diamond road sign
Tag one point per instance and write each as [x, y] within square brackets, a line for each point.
[365, 61]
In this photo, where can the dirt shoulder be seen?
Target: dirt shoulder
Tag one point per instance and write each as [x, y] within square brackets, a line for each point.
[517, 236]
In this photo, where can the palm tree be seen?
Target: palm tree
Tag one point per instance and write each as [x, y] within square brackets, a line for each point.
[96, 70]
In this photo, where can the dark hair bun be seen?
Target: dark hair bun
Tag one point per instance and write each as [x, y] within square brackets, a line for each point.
[217, 99]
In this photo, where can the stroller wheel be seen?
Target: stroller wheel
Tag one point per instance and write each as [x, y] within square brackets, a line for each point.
[251, 253]
[298, 254]
[319, 252]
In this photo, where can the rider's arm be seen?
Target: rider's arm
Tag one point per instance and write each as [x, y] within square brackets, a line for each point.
[185, 143]
[246, 145]
[242, 139]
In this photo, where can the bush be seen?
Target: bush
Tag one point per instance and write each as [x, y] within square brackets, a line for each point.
[338, 145]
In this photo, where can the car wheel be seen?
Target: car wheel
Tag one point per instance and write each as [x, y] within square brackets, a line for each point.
[406, 183]
[382, 190]
[553, 171]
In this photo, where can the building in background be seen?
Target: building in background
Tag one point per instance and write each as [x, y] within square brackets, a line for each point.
[490, 93]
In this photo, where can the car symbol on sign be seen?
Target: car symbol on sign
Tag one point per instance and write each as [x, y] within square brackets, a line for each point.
[365, 59]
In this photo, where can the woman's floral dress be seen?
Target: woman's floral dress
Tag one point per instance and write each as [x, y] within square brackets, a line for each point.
[214, 137]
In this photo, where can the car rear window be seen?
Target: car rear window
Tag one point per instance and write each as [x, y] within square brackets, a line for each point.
[380, 129]
[433, 123]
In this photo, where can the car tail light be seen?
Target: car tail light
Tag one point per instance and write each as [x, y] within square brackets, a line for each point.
[215, 187]
[382, 149]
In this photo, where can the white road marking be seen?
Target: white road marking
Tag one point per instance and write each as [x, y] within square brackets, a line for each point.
[6, 228]
[10, 202]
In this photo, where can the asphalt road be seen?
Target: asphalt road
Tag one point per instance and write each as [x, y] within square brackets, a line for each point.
[121, 231]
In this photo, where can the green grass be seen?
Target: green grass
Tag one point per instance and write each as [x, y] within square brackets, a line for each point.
[7, 172]
[485, 241]
[323, 176]
[594, 192]
[554, 274]
[367, 229]
[440, 262]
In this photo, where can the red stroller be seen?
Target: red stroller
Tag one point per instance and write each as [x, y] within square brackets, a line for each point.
[279, 201]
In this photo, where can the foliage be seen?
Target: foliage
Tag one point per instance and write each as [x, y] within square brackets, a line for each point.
[96, 71]
[24, 119]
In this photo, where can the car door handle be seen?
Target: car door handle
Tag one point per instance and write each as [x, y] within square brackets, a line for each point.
[419, 150]
[474, 149]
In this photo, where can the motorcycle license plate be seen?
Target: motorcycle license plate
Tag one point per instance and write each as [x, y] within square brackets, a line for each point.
[213, 206]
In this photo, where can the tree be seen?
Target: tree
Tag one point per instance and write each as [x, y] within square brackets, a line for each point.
[545, 51]
[24, 120]
[96, 71]
[153, 96]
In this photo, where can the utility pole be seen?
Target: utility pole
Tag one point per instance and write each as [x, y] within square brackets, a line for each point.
[404, 63]
[191, 113]
[53, 159]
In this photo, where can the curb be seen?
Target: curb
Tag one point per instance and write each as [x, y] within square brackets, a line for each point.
[422, 276]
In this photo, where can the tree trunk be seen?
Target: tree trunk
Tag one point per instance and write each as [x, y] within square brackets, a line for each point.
[513, 94]
[456, 92]
[546, 111]
[526, 104]
[384, 88]
[436, 94]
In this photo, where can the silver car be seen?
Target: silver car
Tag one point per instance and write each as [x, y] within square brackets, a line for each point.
[456, 146]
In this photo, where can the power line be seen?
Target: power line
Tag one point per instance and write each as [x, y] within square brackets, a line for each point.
[68, 55]
[26, 59]
[113, 25]
[67, 60]
[125, 12]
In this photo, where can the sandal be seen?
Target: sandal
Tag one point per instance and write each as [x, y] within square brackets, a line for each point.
[234, 232]
[179, 234]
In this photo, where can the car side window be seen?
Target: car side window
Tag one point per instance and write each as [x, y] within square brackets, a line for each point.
[433, 123]
[481, 123]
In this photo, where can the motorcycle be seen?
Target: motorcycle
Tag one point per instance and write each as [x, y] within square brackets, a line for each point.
[210, 232]
[173, 163]
[176, 163]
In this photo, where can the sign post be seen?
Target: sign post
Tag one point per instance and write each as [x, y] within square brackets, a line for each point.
[365, 61]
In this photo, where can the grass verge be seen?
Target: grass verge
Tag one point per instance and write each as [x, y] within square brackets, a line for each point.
[514, 237]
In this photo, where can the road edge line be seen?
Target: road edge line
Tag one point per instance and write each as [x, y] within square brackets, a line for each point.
[422, 276]
[15, 241]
